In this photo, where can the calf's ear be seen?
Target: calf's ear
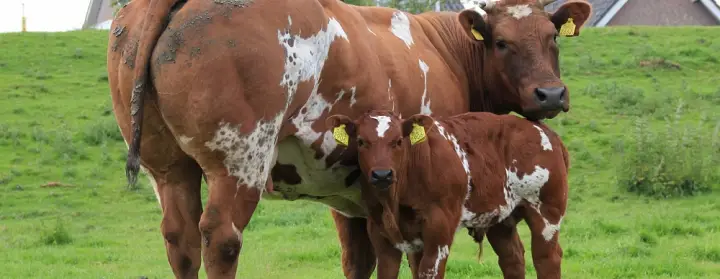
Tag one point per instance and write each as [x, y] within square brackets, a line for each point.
[571, 16]
[474, 25]
[342, 128]
[416, 128]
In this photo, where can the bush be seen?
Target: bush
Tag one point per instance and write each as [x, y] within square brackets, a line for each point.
[682, 160]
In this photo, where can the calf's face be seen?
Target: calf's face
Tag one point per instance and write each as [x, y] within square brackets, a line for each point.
[381, 138]
[521, 52]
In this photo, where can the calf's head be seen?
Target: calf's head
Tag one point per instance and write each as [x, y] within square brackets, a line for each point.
[520, 60]
[382, 141]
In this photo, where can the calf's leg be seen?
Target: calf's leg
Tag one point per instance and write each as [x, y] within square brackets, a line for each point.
[388, 257]
[544, 223]
[506, 243]
[438, 236]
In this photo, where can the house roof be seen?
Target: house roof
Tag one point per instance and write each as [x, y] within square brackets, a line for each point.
[605, 10]
[98, 12]
[600, 7]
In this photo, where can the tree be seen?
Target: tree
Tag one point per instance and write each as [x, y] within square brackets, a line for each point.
[411, 6]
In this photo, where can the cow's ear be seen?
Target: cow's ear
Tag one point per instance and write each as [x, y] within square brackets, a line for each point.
[416, 128]
[571, 16]
[342, 128]
[474, 25]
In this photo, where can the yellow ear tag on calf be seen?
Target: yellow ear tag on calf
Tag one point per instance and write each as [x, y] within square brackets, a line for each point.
[476, 34]
[417, 134]
[340, 135]
[568, 29]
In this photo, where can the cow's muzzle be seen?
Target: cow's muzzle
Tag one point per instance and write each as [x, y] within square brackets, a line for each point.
[381, 179]
[551, 98]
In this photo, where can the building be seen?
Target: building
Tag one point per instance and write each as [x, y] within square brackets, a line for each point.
[650, 12]
[640, 12]
[99, 14]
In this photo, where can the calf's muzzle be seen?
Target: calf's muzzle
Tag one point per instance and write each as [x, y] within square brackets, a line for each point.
[381, 178]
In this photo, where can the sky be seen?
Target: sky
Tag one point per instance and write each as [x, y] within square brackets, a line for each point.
[46, 15]
[42, 15]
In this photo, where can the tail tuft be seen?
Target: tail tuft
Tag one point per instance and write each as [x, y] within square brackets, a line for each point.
[132, 168]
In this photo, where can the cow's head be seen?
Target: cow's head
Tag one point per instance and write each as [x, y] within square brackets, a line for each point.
[379, 136]
[520, 63]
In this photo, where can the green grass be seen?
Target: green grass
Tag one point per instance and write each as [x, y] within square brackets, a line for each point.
[56, 125]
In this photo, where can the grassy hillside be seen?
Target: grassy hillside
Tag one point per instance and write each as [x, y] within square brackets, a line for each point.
[56, 125]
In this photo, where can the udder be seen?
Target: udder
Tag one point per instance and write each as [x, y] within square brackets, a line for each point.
[297, 174]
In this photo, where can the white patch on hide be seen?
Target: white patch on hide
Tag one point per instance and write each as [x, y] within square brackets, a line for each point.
[519, 11]
[467, 216]
[153, 182]
[400, 27]
[391, 97]
[409, 248]
[544, 140]
[305, 59]
[248, 156]
[185, 139]
[352, 96]
[237, 231]
[368, 28]
[550, 229]
[425, 105]
[442, 254]
[383, 124]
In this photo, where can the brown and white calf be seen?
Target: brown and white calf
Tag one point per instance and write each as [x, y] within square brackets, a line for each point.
[426, 178]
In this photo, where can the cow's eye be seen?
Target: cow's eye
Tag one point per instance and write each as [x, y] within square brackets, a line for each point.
[555, 37]
[501, 45]
[360, 142]
[396, 143]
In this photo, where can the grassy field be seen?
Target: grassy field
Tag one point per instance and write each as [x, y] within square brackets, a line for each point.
[56, 125]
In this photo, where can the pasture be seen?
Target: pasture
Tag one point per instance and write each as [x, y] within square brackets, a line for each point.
[66, 212]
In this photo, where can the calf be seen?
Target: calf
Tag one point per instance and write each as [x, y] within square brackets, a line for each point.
[426, 178]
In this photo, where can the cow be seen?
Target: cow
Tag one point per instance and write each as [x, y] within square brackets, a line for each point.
[236, 91]
[425, 177]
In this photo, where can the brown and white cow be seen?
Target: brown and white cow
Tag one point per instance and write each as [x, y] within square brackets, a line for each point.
[425, 178]
[238, 90]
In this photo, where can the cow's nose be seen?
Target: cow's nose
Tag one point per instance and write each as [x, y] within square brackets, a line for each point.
[381, 177]
[550, 98]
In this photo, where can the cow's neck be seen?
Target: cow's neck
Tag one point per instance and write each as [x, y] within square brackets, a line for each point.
[468, 61]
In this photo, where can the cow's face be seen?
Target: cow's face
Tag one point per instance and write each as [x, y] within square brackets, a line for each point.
[520, 63]
[379, 139]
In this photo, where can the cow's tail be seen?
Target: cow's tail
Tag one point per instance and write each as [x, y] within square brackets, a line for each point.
[153, 25]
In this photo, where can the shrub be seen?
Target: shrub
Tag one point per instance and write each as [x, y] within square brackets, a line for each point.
[680, 160]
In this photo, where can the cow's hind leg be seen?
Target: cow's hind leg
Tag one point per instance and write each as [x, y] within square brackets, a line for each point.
[237, 162]
[358, 257]
[544, 222]
[178, 188]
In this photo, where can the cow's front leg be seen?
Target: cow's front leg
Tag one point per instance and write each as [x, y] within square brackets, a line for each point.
[388, 256]
[358, 257]
[544, 222]
[438, 233]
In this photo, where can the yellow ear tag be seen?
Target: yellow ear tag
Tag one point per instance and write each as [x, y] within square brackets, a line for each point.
[417, 134]
[340, 135]
[568, 29]
[476, 34]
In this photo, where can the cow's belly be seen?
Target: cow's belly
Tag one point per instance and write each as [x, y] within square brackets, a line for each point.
[317, 183]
